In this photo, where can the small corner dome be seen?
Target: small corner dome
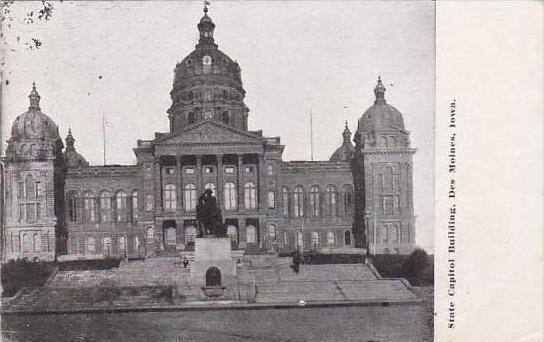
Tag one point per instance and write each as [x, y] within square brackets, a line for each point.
[34, 124]
[343, 153]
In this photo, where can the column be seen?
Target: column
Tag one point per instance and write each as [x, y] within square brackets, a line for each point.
[179, 184]
[219, 185]
[158, 187]
[240, 183]
[262, 191]
[198, 175]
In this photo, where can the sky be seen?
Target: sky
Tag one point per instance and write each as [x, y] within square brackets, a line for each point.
[297, 58]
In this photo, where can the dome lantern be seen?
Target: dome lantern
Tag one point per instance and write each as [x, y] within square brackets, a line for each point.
[206, 27]
[346, 135]
[379, 91]
[34, 98]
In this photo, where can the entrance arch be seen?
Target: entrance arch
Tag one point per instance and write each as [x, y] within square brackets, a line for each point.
[213, 277]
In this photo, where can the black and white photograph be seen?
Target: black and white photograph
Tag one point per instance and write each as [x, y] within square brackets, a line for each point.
[220, 171]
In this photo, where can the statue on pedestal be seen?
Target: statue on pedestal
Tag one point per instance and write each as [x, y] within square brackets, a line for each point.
[208, 216]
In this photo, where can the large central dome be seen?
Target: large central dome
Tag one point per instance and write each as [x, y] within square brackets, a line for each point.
[207, 85]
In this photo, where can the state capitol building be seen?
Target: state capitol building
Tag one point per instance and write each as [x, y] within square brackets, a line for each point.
[56, 203]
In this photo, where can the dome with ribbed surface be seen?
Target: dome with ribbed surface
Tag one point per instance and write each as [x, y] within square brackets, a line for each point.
[344, 152]
[34, 124]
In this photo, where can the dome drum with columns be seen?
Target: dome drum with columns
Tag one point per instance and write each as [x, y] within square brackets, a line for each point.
[61, 204]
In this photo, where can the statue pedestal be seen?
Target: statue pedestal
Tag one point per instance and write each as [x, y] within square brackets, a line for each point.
[212, 252]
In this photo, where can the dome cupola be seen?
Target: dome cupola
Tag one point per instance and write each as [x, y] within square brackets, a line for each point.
[207, 85]
[72, 158]
[344, 152]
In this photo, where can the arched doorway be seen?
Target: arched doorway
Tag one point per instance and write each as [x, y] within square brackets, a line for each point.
[213, 277]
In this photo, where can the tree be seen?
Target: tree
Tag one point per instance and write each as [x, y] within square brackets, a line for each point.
[416, 264]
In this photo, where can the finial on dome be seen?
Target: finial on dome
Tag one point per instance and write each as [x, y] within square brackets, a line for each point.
[346, 134]
[206, 4]
[70, 140]
[34, 97]
[379, 91]
[206, 27]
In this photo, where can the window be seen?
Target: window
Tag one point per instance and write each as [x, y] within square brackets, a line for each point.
[121, 206]
[137, 244]
[330, 239]
[170, 197]
[250, 169]
[226, 118]
[206, 64]
[387, 179]
[211, 187]
[74, 245]
[300, 241]
[315, 240]
[271, 200]
[21, 189]
[105, 206]
[230, 196]
[232, 233]
[348, 199]
[27, 243]
[29, 187]
[21, 212]
[315, 199]
[347, 237]
[285, 201]
[38, 211]
[190, 170]
[298, 201]
[106, 246]
[272, 232]
[149, 235]
[208, 169]
[148, 202]
[250, 195]
[285, 238]
[191, 118]
[170, 170]
[208, 115]
[171, 236]
[89, 245]
[207, 95]
[134, 205]
[122, 244]
[390, 205]
[384, 234]
[38, 189]
[30, 212]
[89, 207]
[190, 234]
[331, 199]
[229, 169]
[72, 204]
[251, 234]
[190, 197]
[394, 233]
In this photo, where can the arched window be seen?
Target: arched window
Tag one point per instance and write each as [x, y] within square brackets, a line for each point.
[331, 198]
[89, 214]
[191, 118]
[72, 206]
[29, 185]
[134, 205]
[315, 240]
[149, 235]
[348, 199]
[232, 233]
[121, 207]
[122, 244]
[298, 201]
[89, 245]
[271, 200]
[206, 64]
[169, 197]
[272, 232]
[251, 234]
[330, 239]
[315, 200]
[250, 195]
[106, 246]
[226, 118]
[285, 201]
[230, 196]
[27, 243]
[300, 241]
[190, 197]
[211, 187]
[105, 206]
[347, 238]
[149, 203]
[36, 243]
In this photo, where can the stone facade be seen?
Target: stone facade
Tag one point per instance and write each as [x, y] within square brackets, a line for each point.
[268, 204]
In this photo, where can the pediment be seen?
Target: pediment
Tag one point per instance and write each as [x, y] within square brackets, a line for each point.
[209, 132]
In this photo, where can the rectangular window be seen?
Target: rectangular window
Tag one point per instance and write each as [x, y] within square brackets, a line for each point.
[30, 212]
[229, 169]
[38, 211]
[271, 200]
[250, 169]
[208, 169]
[38, 189]
[330, 238]
[21, 190]
[170, 170]
[21, 212]
[190, 170]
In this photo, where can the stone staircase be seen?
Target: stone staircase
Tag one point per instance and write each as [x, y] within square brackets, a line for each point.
[383, 290]
[317, 273]
[162, 271]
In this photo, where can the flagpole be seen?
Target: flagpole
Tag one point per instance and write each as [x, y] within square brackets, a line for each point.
[104, 136]
[311, 136]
